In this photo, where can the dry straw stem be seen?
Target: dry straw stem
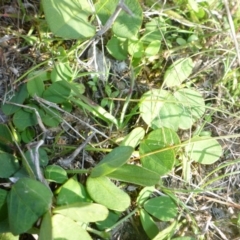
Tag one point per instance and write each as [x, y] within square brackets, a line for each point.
[233, 33]
[45, 103]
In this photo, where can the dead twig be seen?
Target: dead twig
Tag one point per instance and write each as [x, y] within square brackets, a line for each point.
[42, 101]
[66, 162]
[34, 146]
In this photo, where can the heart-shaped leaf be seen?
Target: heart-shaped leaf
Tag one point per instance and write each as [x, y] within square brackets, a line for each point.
[71, 192]
[178, 72]
[69, 19]
[144, 195]
[58, 92]
[18, 98]
[156, 151]
[153, 48]
[35, 85]
[159, 108]
[27, 201]
[23, 119]
[204, 150]
[117, 48]
[9, 165]
[162, 208]
[193, 106]
[55, 173]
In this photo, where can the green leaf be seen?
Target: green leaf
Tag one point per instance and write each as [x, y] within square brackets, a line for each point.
[5, 135]
[83, 212]
[125, 26]
[51, 117]
[23, 119]
[69, 19]
[204, 150]
[134, 137]
[193, 5]
[63, 56]
[181, 41]
[178, 72]
[154, 30]
[202, 13]
[135, 49]
[116, 158]
[71, 192]
[58, 92]
[22, 173]
[135, 174]
[65, 228]
[40, 74]
[111, 219]
[159, 109]
[117, 48]
[46, 227]
[35, 85]
[177, 17]
[103, 191]
[4, 226]
[104, 9]
[162, 208]
[3, 197]
[27, 135]
[6, 140]
[153, 48]
[156, 159]
[193, 38]
[148, 224]
[54, 173]
[67, 106]
[8, 236]
[27, 201]
[168, 232]
[144, 195]
[3, 205]
[156, 152]
[95, 109]
[193, 106]
[77, 88]
[19, 98]
[62, 71]
[9, 165]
